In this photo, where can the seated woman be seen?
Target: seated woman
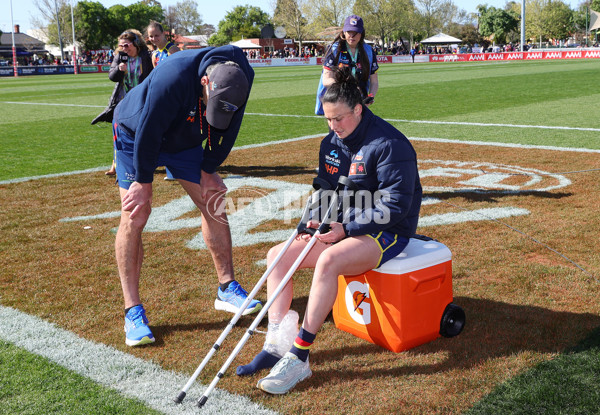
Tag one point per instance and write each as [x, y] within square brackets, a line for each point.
[382, 163]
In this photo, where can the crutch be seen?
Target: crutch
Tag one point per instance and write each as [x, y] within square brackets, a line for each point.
[318, 184]
[322, 229]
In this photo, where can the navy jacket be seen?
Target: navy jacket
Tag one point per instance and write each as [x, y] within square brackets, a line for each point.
[163, 113]
[380, 160]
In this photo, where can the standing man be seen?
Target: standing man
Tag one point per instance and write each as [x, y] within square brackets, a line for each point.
[192, 97]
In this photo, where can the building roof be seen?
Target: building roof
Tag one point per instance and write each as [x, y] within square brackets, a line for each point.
[24, 44]
[191, 41]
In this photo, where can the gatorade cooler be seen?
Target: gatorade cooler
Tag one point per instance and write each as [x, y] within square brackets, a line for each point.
[404, 303]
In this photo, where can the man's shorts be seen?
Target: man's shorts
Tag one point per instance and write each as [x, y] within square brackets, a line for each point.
[390, 244]
[186, 164]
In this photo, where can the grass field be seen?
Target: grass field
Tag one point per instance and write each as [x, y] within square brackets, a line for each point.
[527, 277]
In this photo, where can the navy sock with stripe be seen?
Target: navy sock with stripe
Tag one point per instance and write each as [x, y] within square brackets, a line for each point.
[302, 344]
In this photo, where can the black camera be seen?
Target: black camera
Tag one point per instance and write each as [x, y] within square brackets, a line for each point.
[123, 56]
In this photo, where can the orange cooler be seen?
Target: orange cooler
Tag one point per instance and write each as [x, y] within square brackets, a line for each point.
[400, 304]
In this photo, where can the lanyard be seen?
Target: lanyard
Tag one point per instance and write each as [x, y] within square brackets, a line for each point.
[132, 72]
[353, 58]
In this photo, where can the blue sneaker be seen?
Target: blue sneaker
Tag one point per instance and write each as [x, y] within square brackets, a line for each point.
[232, 299]
[137, 331]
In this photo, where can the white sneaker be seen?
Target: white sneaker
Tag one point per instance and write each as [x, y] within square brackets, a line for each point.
[285, 375]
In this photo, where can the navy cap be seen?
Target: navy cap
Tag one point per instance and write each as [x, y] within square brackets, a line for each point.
[228, 91]
[353, 23]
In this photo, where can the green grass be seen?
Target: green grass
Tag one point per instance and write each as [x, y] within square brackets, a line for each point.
[42, 139]
[42, 387]
[565, 385]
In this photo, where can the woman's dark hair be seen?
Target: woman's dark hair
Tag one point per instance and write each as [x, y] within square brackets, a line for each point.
[364, 59]
[155, 25]
[344, 89]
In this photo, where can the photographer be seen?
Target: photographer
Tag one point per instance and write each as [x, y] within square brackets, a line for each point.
[131, 65]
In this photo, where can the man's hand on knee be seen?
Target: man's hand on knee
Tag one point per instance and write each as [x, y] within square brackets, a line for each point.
[138, 195]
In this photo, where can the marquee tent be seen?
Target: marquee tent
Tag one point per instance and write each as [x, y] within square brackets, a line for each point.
[441, 39]
[245, 44]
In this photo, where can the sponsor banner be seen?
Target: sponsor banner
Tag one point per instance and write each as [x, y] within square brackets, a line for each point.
[7, 71]
[38, 70]
[384, 59]
[94, 68]
[449, 58]
[576, 54]
[408, 59]
[260, 62]
[284, 62]
[508, 56]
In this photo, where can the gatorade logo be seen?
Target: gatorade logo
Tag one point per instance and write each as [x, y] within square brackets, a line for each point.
[358, 308]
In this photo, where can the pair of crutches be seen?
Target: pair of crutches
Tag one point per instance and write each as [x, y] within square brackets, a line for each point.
[319, 185]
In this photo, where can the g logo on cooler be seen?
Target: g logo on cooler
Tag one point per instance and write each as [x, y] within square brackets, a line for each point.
[358, 308]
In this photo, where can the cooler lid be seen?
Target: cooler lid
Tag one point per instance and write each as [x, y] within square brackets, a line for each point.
[417, 255]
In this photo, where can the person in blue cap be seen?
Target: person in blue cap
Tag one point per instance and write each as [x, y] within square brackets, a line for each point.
[350, 50]
[193, 98]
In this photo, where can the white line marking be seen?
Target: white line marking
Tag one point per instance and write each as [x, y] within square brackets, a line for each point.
[129, 375]
[54, 104]
[507, 145]
[474, 124]
[307, 137]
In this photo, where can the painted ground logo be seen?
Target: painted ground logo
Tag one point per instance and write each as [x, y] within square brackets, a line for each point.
[267, 200]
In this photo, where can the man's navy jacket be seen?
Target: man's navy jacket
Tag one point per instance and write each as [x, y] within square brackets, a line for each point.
[164, 113]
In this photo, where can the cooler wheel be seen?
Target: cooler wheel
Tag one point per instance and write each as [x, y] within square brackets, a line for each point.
[453, 321]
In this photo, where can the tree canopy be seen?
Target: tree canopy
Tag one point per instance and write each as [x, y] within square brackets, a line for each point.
[242, 22]
[496, 23]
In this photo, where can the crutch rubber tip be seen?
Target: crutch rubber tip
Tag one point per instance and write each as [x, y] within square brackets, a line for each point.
[179, 397]
[202, 401]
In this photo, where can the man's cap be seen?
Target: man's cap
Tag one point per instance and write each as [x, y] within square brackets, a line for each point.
[353, 23]
[228, 91]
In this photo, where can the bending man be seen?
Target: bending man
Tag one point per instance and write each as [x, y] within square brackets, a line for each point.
[192, 97]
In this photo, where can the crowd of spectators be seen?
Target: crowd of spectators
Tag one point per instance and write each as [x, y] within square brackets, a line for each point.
[105, 56]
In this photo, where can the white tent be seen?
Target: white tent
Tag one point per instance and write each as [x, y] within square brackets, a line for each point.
[441, 38]
[245, 44]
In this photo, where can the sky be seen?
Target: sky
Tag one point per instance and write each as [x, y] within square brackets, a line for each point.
[24, 10]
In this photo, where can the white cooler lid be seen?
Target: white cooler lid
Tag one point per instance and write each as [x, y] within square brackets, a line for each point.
[417, 255]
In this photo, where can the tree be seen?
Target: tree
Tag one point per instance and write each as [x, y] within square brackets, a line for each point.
[386, 19]
[496, 23]
[54, 14]
[558, 18]
[243, 21]
[470, 35]
[95, 26]
[184, 18]
[136, 16]
[291, 15]
[323, 14]
[92, 25]
[434, 14]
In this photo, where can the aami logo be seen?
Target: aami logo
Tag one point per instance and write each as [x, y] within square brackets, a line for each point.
[495, 57]
[514, 56]
[571, 55]
[553, 55]
[478, 57]
[534, 55]
[592, 54]
[356, 296]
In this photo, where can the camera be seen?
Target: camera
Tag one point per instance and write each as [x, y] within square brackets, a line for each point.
[123, 57]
